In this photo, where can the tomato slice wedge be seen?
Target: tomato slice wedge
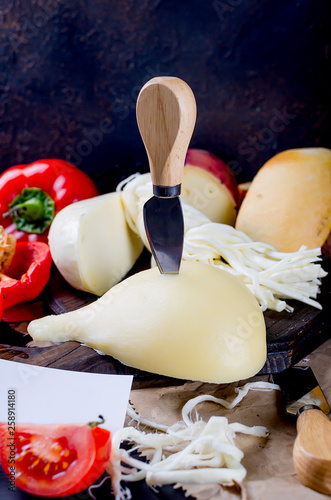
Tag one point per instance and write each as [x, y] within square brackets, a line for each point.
[54, 460]
[102, 442]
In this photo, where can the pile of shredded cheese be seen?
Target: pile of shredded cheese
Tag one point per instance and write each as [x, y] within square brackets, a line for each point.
[270, 275]
[188, 452]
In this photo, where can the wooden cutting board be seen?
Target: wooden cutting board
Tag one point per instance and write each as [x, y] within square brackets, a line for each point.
[290, 336]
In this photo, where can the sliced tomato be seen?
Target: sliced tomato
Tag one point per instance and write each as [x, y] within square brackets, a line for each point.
[54, 460]
[102, 442]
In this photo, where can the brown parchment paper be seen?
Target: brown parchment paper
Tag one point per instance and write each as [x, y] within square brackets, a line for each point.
[270, 470]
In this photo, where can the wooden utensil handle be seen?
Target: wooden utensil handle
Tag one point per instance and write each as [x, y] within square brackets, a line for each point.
[312, 450]
[166, 114]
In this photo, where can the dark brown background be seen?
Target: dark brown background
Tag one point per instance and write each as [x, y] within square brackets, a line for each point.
[70, 73]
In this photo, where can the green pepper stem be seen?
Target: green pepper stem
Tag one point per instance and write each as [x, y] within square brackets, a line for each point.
[31, 210]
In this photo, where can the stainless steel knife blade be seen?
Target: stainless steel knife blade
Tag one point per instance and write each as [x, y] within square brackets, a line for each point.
[167, 242]
[166, 113]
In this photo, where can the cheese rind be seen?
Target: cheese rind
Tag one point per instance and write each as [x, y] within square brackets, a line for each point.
[202, 324]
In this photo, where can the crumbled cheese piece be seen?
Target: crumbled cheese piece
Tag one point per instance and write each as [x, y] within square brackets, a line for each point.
[7, 249]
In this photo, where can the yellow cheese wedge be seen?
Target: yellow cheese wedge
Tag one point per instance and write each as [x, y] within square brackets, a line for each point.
[202, 324]
[289, 201]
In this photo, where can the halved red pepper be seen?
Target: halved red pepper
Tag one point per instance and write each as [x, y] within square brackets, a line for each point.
[27, 274]
[32, 194]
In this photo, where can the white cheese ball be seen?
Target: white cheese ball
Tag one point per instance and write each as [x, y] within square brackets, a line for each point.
[92, 245]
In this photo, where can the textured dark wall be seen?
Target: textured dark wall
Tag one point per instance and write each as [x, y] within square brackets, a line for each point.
[70, 73]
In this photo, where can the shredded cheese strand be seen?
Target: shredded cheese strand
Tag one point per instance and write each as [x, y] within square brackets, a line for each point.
[270, 275]
[141, 420]
[241, 393]
[187, 452]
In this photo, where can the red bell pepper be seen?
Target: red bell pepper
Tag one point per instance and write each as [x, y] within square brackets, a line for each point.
[27, 274]
[31, 195]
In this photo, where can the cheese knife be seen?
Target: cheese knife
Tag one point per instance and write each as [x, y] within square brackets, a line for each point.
[166, 114]
[304, 399]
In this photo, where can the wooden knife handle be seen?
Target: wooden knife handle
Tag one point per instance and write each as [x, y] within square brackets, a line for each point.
[166, 114]
[312, 450]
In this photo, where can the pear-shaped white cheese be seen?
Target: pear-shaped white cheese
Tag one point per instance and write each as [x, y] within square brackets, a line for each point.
[92, 245]
[202, 324]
